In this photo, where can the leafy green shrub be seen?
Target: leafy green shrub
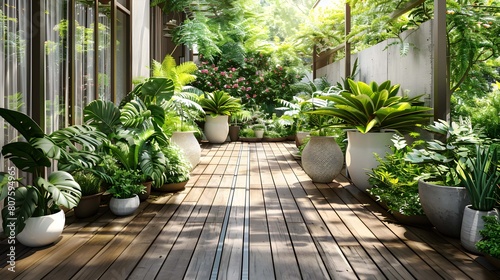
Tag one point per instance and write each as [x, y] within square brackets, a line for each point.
[490, 244]
[395, 180]
[179, 167]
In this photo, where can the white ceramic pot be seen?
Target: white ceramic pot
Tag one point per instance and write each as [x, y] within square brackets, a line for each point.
[259, 133]
[216, 129]
[124, 206]
[322, 159]
[41, 231]
[444, 206]
[189, 145]
[472, 223]
[359, 154]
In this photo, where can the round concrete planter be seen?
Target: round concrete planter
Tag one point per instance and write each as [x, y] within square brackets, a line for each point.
[359, 154]
[124, 206]
[216, 129]
[322, 159]
[472, 223]
[41, 231]
[444, 206]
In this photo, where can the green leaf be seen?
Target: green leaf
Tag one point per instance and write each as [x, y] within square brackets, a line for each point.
[104, 115]
[63, 188]
[26, 202]
[28, 128]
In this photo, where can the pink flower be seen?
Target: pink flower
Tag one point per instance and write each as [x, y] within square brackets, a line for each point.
[247, 96]
[235, 86]
[233, 69]
[249, 88]
[204, 71]
[223, 73]
[254, 95]
[216, 68]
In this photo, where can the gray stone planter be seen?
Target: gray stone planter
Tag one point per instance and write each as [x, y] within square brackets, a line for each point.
[444, 206]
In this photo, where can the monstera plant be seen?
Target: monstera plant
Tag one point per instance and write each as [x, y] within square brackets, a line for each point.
[46, 192]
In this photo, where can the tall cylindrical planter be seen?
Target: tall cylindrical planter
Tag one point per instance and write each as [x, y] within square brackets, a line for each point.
[41, 231]
[444, 206]
[189, 146]
[216, 129]
[472, 223]
[322, 159]
[360, 157]
[234, 132]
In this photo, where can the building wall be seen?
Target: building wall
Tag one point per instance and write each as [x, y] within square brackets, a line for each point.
[383, 62]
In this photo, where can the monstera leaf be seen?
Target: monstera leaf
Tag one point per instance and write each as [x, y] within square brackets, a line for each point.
[24, 206]
[62, 187]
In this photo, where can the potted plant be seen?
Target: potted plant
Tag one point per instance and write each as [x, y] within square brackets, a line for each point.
[124, 190]
[441, 194]
[218, 106]
[258, 130]
[90, 201]
[178, 169]
[235, 119]
[134, 135]
[35, 207]
[480, 176]
[373, 113]
[395, 183]
[489, 244]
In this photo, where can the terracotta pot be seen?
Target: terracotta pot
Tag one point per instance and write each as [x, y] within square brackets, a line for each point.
[173, 187]
[88, 206]
[234, 132]
[144, 196]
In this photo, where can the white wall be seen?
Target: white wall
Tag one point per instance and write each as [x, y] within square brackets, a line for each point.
[413, 71]
[140, 38]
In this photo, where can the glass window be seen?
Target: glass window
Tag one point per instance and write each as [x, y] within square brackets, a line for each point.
[57, 109]
[15, 42]
[104, 56]
[123, 81]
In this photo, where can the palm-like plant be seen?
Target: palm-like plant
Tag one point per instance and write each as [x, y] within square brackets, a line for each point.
[371, 106]
[180, 75]
[219, 103]
[482, 178]
[33, 155]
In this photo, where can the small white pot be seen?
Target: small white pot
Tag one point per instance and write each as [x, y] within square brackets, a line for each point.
[259, 133]
[124, 206]
[41, 231]
[472, 223]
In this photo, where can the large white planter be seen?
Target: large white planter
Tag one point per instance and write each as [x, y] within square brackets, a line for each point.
[124, 206]
[41, 231]
[322, 159]
[216, 129]
[360, 157]
[472, 223]
[189, 145]
[444, 206]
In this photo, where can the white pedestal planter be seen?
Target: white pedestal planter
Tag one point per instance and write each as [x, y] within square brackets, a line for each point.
[216, 129]
[472, 223]
[359, 154]
[124, 206]
[444, 206]
[41, 231]
[322, 159]
[189, 145]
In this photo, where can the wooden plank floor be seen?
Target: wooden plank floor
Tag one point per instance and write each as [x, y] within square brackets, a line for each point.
[249, 212]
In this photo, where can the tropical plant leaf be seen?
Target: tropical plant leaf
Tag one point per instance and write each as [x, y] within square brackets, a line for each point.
[63, 188]
[25, 157]
[25, 205]
[22, 123]
[104, 115]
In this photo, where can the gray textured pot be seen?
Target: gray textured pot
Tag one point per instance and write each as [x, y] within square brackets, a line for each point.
[444, 206]
[472, 223]
[322, 159]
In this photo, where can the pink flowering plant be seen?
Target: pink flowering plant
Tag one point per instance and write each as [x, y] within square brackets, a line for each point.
[255, 82]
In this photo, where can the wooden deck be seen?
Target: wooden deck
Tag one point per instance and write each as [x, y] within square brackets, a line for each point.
[249, 212]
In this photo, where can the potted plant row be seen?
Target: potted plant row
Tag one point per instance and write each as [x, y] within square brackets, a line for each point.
[35, 207]
[372, 113]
